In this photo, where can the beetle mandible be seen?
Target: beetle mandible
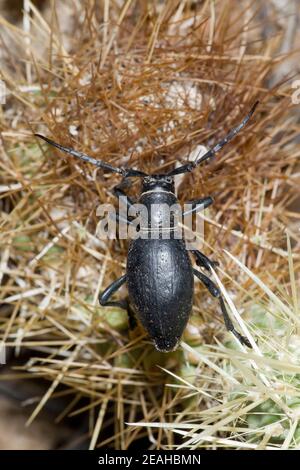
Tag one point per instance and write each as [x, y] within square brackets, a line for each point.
[159, 273]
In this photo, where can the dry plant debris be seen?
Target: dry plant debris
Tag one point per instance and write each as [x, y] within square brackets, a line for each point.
[147, 83]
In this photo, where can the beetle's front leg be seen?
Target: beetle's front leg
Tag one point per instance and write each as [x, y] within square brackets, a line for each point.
[120, 193]
[119, 218]
[124, 199]
[215, 292]
[203, 261]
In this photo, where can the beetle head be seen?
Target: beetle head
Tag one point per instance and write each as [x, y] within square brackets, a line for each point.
[158, 183]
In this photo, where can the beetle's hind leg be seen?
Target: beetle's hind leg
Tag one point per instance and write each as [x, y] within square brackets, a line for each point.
[203, 261]
[215, 292]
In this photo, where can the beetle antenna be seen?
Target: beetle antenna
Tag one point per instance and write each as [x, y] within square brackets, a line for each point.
[99, 163]
[191, 165]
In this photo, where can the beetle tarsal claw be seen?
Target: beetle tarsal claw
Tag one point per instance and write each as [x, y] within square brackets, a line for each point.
[242, 339]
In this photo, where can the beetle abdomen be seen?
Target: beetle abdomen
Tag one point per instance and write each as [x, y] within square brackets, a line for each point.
[160, 286]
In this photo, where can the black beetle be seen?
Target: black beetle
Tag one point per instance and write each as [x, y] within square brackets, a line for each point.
[159, 274]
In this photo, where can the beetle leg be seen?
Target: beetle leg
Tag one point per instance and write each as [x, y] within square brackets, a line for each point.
[203, 261]
[124, 304]
[126, 200]
[122, 196]
[120, 193]
[215, 292]
[119, 218]
[131, 318]
[109, 291]
[198, 205]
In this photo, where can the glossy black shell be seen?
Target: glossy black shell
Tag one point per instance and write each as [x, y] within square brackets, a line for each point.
[160, 282]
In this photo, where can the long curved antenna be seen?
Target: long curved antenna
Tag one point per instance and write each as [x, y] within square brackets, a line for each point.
[99, 163]
[191, 165]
